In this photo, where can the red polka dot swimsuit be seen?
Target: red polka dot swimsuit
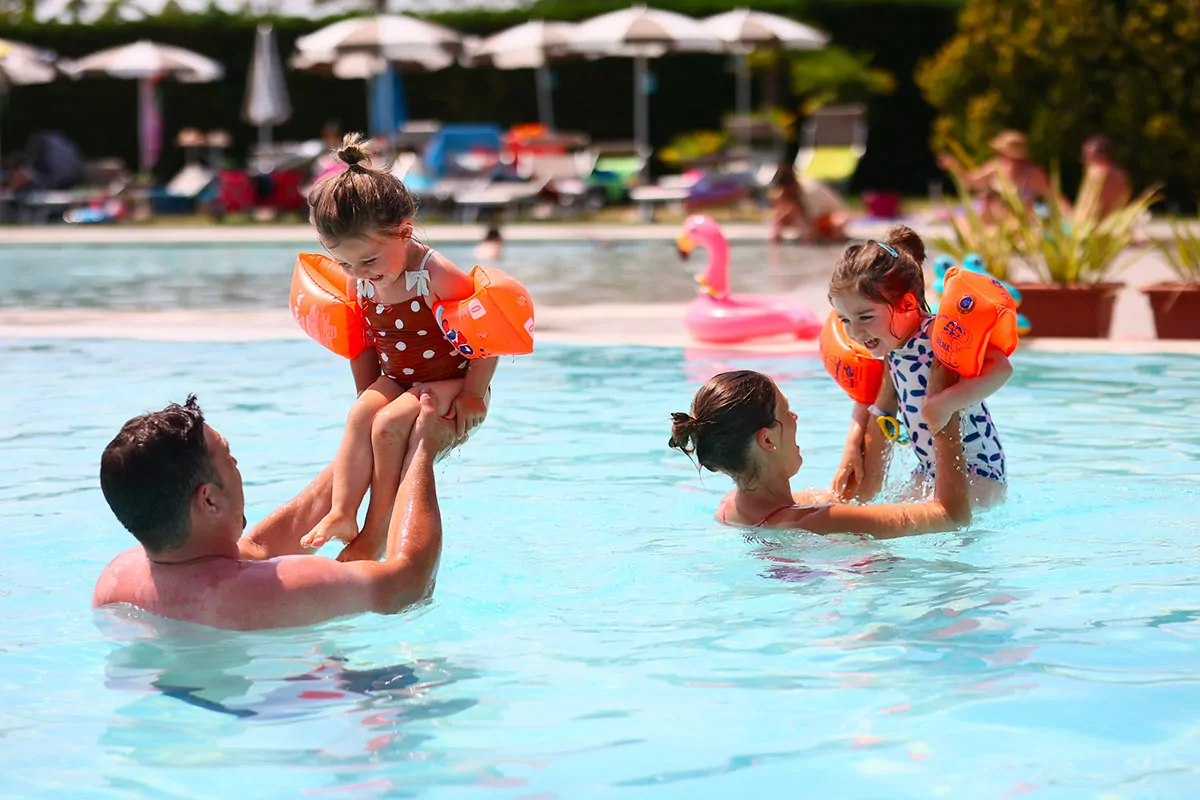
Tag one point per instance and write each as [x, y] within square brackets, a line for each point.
[406, 335]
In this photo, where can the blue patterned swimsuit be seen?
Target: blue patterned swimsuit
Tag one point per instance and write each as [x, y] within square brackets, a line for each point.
[908, 366]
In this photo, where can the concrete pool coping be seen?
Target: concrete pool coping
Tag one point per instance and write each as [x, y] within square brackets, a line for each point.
[625, 324]
[270, 233]
[648, 324]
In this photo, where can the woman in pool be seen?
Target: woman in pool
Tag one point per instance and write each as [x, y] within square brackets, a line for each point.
[741, 425]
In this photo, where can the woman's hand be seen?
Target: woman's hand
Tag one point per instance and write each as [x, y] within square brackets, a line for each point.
[468, 411]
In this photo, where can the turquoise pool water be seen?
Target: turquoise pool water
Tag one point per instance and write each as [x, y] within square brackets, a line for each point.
[594, 633]
[258, 275]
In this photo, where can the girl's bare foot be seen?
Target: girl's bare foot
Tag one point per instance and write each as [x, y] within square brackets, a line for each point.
[335, 525]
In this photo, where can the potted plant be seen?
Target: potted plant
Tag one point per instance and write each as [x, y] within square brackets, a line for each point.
[1176, 305]
[1073, 256]
[971, 233]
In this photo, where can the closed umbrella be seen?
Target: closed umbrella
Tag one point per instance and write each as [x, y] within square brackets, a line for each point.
[148, 63]
[530, 45]
[266, 102]
[642, 33]
[743, 30]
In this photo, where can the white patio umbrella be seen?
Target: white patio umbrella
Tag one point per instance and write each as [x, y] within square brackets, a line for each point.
[642, 33]
[266, 102]
[365, 47]
[148, 63]
[530, 45]
[23, 65]
[393, 37]
[743, 30]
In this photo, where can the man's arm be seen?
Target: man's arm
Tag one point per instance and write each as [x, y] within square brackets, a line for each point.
[304, 590]
[279, 533]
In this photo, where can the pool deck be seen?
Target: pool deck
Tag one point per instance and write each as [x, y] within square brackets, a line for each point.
[608, 324]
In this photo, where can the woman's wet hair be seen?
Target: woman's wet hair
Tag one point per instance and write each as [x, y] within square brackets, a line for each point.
[360, 200]
[726, 414]
[883, 272]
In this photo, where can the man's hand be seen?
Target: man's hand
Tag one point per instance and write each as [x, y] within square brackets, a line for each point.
[468, 411]
[432, 430]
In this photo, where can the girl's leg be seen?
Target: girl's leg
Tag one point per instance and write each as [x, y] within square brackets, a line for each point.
[986, 493]
[389, 436]
[352, 465]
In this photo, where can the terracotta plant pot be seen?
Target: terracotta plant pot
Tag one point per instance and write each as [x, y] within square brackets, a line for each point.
[1083, 311]
[1176, 309]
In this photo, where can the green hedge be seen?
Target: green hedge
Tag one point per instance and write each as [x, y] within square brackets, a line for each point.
[1064, 70]
[694, 91]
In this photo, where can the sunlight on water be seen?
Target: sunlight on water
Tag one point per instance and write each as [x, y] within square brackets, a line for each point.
[257, 276]
[593, 630]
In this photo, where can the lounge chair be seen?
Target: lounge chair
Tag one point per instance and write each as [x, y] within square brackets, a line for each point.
[832, 141]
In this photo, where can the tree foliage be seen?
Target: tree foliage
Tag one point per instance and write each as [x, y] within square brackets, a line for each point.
[1064, 70]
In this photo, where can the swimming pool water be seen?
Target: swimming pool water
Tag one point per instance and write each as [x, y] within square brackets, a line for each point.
[157, 277]
[594, 632]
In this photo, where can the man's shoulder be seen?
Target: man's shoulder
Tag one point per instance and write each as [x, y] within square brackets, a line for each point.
[127, 571]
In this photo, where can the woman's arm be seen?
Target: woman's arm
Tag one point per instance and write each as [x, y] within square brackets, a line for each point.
[950, 509]
[365, 368]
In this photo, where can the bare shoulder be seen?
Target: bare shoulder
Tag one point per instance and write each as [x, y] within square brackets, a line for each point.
[446, 280]
[122, 578]
[815, 497]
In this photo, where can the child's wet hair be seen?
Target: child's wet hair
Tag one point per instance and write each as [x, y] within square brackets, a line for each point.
[883, 272]
[360, 200]
[726, 414]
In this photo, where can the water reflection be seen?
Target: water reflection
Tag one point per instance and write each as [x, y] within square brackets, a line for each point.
[194, 690]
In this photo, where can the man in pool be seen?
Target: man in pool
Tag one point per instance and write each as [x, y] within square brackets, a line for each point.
[173, 483]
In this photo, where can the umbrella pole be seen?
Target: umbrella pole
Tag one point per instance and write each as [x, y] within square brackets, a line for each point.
[264, 135]
[370, 81]
[143, 134]
[641, 111]
[545, 97]
[743, 96]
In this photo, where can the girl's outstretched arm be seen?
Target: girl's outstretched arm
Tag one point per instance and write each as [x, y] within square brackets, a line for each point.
[939, 407]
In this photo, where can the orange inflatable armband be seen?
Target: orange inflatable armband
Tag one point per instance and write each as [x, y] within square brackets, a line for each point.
[849, 363]
[976, 311]
[324, 303]
[497, 320]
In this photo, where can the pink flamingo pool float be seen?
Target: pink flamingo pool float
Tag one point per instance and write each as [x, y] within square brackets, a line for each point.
[718, 316]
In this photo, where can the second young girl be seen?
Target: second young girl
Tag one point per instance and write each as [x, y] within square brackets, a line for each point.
[364, 219]
[878, 291]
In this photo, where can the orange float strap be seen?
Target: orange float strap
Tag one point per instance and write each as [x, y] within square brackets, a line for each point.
[849, 363]
[976, 312]
[497, 320]
[325, 305]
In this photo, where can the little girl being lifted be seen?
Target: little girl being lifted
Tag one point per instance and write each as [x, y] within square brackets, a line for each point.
[878, 292]
[364, 219]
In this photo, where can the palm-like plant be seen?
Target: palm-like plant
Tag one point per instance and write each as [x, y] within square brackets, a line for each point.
[1182, 252]
[1073, 248]
[971, 233]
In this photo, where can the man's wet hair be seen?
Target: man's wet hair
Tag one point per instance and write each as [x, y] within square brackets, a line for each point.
[150, 471]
